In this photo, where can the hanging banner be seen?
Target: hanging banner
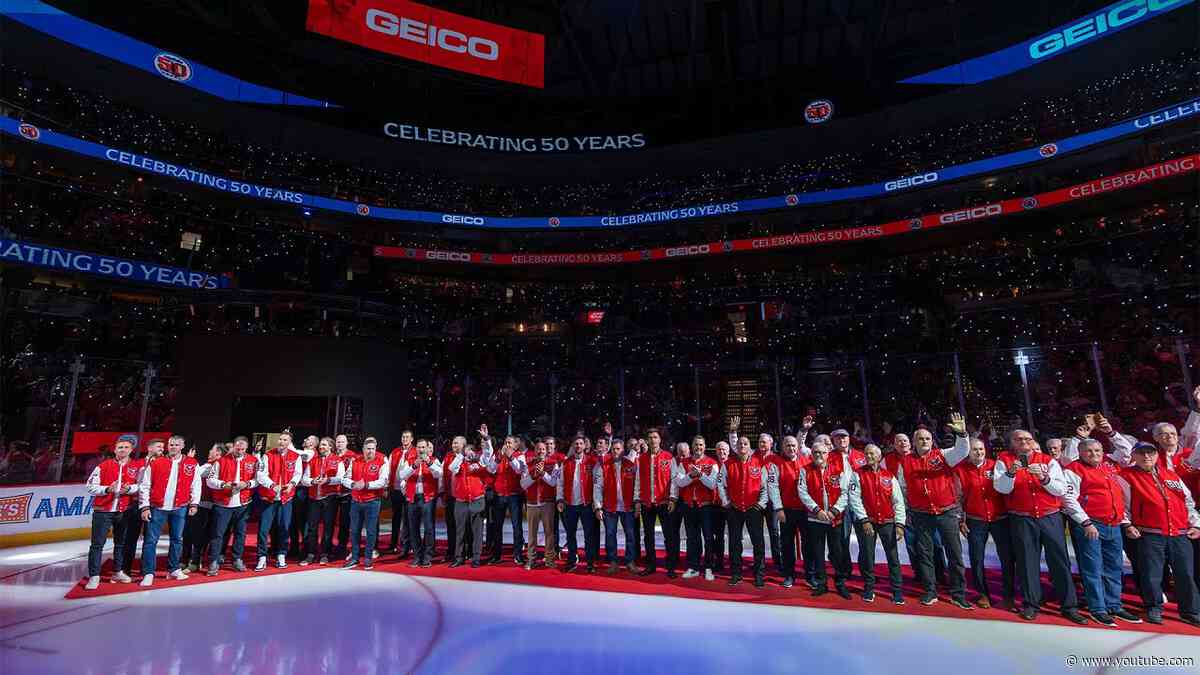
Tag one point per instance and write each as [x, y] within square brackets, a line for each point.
[1175, 167]
[422, 33]
[66, 260]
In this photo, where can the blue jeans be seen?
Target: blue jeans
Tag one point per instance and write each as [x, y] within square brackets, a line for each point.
[275, 520]
[364, 513]
[611, 519]
[573, 517]
[1100, 566]
[224, 518]
[420, 527]
[176, 518]
[102, 522]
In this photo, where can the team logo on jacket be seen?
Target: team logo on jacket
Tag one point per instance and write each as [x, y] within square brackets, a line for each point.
[188, 469]
[1048, 150]
[172, 67]
[936, 462]
[373, 469]
[792, 200]
[818, 111]
[29, 131]
[755, 472]
[914, 224]
[885, 482]
[362, 210]
[15, 509]
[665, 464]
[1029, 203]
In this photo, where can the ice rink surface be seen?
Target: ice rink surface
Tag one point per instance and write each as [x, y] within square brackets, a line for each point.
[335, 621]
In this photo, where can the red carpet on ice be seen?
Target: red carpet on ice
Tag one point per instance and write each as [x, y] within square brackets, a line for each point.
[656, 584]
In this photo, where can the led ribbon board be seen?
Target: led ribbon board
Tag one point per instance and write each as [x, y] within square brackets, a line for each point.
[113, 45]
[980, 167]
[1070, 36]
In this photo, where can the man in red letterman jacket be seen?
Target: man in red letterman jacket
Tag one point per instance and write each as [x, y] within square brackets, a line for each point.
[575, 495]
[783, 486]
[232, 485]
[1095, 507]
[614, 482]
[824, 491]
[468, 472]
[652, 491]
[322, 474]
[367, 478]
[421, 477]
[877, 505]
[694, 491]
[112, 485]
[400, 543]
[1033, 485]
[926, 478]
[1161, 514]
[279, 474]
[984, 515]
[509, 501]
[743, 491]
[168, 493]
[538, 481]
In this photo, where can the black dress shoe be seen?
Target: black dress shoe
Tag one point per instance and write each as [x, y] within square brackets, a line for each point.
[819, 591]
[787, 582]
[758, 581]
[454, 564]
[570, 567]
[670, 574]
[841, 590]
[1193, 619]
[1029, 613]
[1074, 616]
[591, 568]
[1154, 616]
[646, 572]
[474, 563]
[735, 580]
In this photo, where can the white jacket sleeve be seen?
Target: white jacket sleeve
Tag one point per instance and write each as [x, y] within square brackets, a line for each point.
[194, 500]
[214, 477]
[558, 487]
[263, 476]
[805, 498]
[898, 505]
[857, 510]
[435, 469]
[1122, 449]
[1057, 485]
[347, 480]
[773, 496]
[1070, 453]
[1189, 435]
[1070, 498]
[526, 480]
[94, 487]
[597, 486]
[297, 474]
[840, 505]
[1001, 480]
[455, 464]
[679, 476]
[956, 454]
[144, 488]
[710, 476]
[306, 477]
[382, 481]
[762, 494]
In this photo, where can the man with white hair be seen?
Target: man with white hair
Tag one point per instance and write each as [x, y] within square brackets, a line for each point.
[783, 479]
[720, 517]
[743, 491]
[984, 515]
[877, 505]
[824, 490]
[926, 478]
[1033, 485]
[467, 474]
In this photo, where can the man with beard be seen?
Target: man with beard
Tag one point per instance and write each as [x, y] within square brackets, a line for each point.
[367, 479]
[421, 477]
[683, 454]
[508, 502]
[279, 474]
[400, 542]
[574, 504]
[321, 472]
[614, 482]
[652, 492]
[232, 486]
[538, 480]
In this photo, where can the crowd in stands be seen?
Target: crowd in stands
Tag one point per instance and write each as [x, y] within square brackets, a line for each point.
[101, 118]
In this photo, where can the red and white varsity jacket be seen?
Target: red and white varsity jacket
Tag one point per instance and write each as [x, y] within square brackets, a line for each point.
[113, 485]
[743, 483]
[875, 496]
[469, 478]
[613, 484]
[575, 470]
[373, 472]
[539, 484]
[977, 492]
[427, 476]
[323, 466]
[1157, 501]
[231, 470]
[700, 491]
[1025, 495]
[279, 468]
[783, 481]
[508, 474]
[169, 483]
[1093, 493]
[824, 489]
[927, 480]
[652, 485]
[409, 454]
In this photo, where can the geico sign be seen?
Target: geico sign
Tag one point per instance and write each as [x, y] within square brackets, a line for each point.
[970, 214]
[687, 250]
[1098, 24]
[465, 220]
[425, 34]
[452, 256]
[911, 181]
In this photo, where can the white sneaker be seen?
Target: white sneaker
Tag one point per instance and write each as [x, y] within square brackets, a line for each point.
[93, 583]
[691, 574]
[148, 580]
[178, 575]
[708, 575]
[375, 554]
[121, 578]
[280, 561]
[262, 564]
